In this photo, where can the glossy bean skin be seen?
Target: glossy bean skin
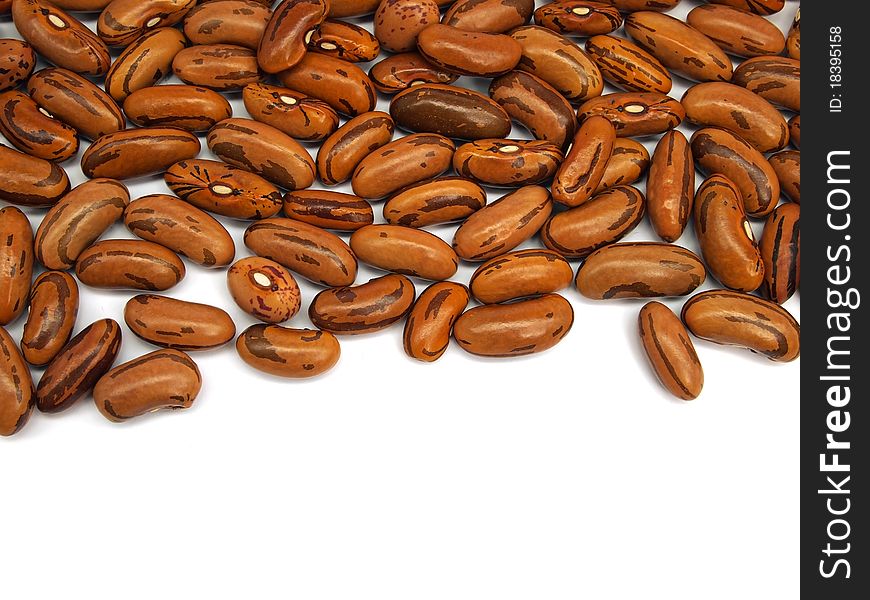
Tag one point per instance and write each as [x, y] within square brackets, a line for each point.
[536, 105]
[310, 251]
[364, 308]
[32, 131]
[144, 62]
[405, 250]
[54, 306]
[294, 353]
[671, 186]
[635, 114]
[629, 6]
[17, 61]
[628, 163]
[440, 200]
[220, 67]
[264, 151]
[138, 152]
[400, 163]
[16, 263]
[520, 274]
[780, 249]
[515, 329]
[129, 265]
[181, 227]
[628, 66]
[503, 225]
[794, 130]
[30, 181]
[397, 23]
[76, 101]
[187, 107]
[580, 173]
[172, 323]
[236, 22]
[77, 368]
[60, 38]
[342, 85]
[352, 8]
[725, 237]
[507, 162]
[330, 210]
[284, 39]
[159, 380]
[223, 189]
[680, 48]
[737, 32]
[345, 41]
[82, 5]
[295, 114]
[670, 351]
[400, 71]
[427, 329]
[774, 78]
[122, 22]
[793, 41]
[738, 319]
[488, 16]
[605, 219]
[787, 166]
[468, 52]
[731, 107]
[17, 394]
[579, 17]
[559, 62]
[717, 151]
[342, 151]
[640, 270]
[450, 111]
[264, 289]
[759, 7]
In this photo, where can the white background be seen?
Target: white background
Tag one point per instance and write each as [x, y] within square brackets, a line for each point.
[566, 473]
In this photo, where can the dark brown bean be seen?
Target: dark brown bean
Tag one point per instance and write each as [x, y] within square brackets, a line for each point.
[787, 166]
[54, 305]
[759, 7]
[130, 265]
[397, 23]
[138, 152]
[364, 308]
[30, 181]
[427, 330]
[287, 352]
[172, 323]
[342, 151]
[237, 22]
[780, 249]
[670, 351]
[330, 210]
[638, 5]
[469, 52]
[342, 85]
[122, 22]
[145, 62]
[489, 16]
[345, 41]
[405, 250]
[628, 163]
[737, 32]
[187, 107]
[264, 289]
[440, 200]
[295, 114]
[774, 78]
[283, 43]
[400, 163]
[401, 71]
[671, 186]
[221, 67]
[16, 263]
[628, 66]
[579, 17]
[17, 61]
[635, 113]
[450, 111]
[507, 162]
[17, 394]
[520, 274]
[584, 165]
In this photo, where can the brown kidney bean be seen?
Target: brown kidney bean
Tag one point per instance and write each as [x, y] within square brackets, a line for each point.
[670, 351]
[78, 220]
[295, 114]
[682, 49]
[427, 330]
[220, 67]
[450, 111]
[262, 150]
[774, 78]
[533, 103]
[345, 41]
[635, 113]
[397, 23]
[129, 264]
[82, 5]
[264, 289]
[580, 173]
[401, 71]
[628, 162]
[182, 228]
[178, 324]
[17, 395]
[364, 308]
[223, 189]
[640, 270]
[606, 218]
[288, 352]
[759, 7]
[793, 41]
[520, 274]
[469, 52]
[318, 255]
[737, 32]
[16, 263]
[628, 66]
[507, 162]
[787, 166]
[503, 225]
[75, 370]
[725, 237]
[440, 200]
[515, 329]
[638, 5]
[400, 163]
[671, 186]
[488, 16]
[187, 107]
[236, 22]
[780, 249]
[718, 151]
[283, 43]
[54, 305]
[342, 85]
[137, 152]
[30, 130]
[579, 17]
[794, 130]
[17, 61]
[330, 210]
[60, 38]
[145, 62]
[559, 62]
[738, 319]
[122, 22]
[342, 151]
[76, 101]
[352, 8]
[405, 250]
[30, 181]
